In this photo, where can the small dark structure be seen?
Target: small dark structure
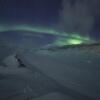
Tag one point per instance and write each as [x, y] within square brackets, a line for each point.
[21, 64]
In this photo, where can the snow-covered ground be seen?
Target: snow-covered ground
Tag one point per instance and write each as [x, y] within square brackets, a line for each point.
[54, 96]
[70, 73]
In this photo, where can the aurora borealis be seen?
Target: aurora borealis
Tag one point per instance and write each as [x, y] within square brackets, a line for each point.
[63, 38]
[73, 39]
[49, 49]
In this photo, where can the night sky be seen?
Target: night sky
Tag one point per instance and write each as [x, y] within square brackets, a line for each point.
[42, 12]
[30, 64]
[70, 16]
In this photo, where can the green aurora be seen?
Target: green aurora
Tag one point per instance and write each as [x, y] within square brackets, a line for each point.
[73, 39]
[64, 39]
[30, 28]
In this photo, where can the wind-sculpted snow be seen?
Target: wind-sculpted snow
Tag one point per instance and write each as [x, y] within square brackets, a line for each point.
[70, 70]
[76, 67]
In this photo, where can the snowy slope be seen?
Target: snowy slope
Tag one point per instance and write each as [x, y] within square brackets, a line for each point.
[75, 68]
[73, 72]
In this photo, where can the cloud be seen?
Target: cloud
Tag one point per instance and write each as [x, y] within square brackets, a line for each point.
[78, 16]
